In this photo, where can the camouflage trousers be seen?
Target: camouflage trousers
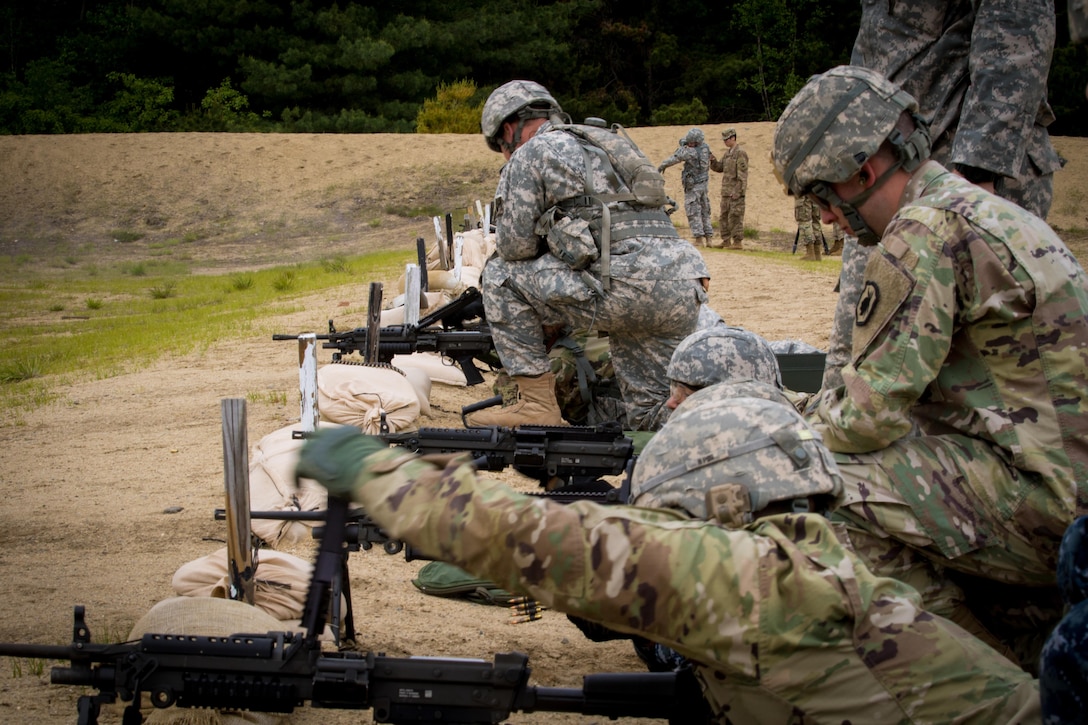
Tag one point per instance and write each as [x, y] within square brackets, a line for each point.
[731, 219]
[839, 344]
[645, 318]
[697, 208]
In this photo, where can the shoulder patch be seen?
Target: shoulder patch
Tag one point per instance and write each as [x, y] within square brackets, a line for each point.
[887, 286]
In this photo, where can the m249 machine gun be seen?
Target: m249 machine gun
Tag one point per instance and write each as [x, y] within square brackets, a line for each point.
[449, 331]
[280, 671]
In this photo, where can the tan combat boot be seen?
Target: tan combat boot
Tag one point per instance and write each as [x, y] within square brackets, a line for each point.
[836, 248]
[700, 241]
[737, 245]
[810, 256]
[536, 405]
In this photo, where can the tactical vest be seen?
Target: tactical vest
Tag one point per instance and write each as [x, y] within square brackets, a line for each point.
[573, 231]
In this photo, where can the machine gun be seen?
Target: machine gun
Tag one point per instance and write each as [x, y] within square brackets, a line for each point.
[448, 331]
[280, 671]
[563, 459]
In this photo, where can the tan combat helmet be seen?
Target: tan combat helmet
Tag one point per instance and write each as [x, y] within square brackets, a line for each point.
[733, 452]
[834, 124]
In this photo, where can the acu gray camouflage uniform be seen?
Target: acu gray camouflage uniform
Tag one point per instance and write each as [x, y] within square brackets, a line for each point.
[654, 298]
[782, 621]
[979, 72]
[695, 177]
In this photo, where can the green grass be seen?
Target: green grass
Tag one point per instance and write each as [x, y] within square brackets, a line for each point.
[125, 322]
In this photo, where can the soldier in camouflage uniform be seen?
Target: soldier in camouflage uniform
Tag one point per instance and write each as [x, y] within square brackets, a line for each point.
[809, 233]
[733, 167]
[695, 155]
[645, 288]
[979, 73]
[716, 355]
[838, 238]
[962, 424]
[781, 621]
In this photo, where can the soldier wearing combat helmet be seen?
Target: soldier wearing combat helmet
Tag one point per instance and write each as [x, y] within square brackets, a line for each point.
[559, 264]
[966, 390]
[717, 354]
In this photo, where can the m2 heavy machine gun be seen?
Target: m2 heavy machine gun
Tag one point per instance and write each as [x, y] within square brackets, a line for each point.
[280, 671]
[456, 330]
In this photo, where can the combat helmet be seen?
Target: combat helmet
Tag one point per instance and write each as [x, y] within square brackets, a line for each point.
[834, 124]
[526, 99]
[720, 353]
[694, 136]
[734, 452]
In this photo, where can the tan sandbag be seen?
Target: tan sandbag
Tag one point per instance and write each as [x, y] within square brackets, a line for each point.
[272, 487]
[205, 616]
[358, 395]
[421, 381]
[477, 248]
[281, 581]
[395, 315]
[438, 369]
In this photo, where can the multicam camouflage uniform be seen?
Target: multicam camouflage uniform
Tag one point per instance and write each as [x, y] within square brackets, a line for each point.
[782, 621]
[971, 329]
[733, 166]
[979, 73]
[694, 177]
[654, 296]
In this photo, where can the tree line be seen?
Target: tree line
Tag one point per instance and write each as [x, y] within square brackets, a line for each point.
[82, 66]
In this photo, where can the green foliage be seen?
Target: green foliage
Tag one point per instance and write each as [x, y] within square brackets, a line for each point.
[692, 113]
[454, 109]
[225, 109]
[142, 104]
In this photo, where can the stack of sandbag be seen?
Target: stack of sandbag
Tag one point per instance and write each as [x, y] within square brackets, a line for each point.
[272, 487]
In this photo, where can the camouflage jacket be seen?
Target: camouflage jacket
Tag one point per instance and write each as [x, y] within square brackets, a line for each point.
[978, 69]
[733, 166]
[972, 320]
[696, 171]
[549, 170]
[779, 610]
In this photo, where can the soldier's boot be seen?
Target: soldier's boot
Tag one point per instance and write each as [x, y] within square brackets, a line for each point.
[723, 245]
[700, 241]
[836, 248]
[536, 405]
[736, 244]
[818, 250]
[810, 256]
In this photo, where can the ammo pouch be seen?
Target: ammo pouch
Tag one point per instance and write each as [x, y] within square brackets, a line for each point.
[569, 238]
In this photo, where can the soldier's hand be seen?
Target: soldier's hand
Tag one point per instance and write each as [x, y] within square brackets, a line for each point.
[334, 457]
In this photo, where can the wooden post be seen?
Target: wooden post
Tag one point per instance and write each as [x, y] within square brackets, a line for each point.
[458, 254]
[240, 565]
[421, 260]
[412, 293]
[308, 413]
[449, 240]
[443, 256]
[373, 321]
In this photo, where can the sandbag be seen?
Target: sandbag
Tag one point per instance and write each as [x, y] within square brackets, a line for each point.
[280, 587]
[395, 315]
[272, 487]
[359, 395]
[203, 616]
[438, 369]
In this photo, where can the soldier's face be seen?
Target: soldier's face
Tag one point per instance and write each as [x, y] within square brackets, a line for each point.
[678, 393]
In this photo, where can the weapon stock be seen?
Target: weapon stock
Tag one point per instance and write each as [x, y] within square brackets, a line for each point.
[445, 331]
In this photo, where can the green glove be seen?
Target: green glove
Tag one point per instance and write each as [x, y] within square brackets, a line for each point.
[334, 457]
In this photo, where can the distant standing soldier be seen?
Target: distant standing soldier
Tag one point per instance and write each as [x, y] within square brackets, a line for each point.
[808, 227]
[696, 156]
[838, 236]
[734, 170]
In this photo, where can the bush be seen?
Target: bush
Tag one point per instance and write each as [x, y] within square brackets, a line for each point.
[451, 110]
[692, 113]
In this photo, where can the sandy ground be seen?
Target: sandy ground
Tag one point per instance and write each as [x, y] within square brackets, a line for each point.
[88, 481]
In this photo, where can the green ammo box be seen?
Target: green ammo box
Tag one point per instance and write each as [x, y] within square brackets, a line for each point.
[803, 371]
